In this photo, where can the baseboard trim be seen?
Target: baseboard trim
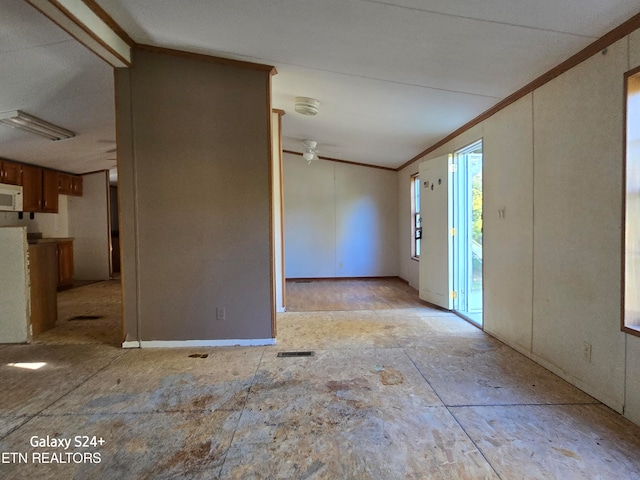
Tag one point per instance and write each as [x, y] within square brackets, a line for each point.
[320, 279]
[597, 393]
[242, 342]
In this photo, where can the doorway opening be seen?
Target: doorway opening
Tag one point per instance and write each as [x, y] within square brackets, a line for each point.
[467, 232]
[89, 306]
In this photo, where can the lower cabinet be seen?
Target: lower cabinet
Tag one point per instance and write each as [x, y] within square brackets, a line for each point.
[43, 276]
[65, 264]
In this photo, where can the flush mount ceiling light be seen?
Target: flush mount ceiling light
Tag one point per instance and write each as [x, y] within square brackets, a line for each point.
[29, 123]
[306, 105]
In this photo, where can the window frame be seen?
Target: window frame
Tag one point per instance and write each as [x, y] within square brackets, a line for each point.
[626, 324]
[416, 218]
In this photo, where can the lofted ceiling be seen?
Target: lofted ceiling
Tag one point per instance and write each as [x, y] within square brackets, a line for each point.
[393, 76]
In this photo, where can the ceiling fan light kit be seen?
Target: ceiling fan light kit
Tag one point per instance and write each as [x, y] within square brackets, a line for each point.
[310, 144]
[310, 150]
[29, 123]
[307, 105]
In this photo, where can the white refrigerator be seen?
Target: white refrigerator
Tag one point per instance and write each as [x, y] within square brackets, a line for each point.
[14, 286]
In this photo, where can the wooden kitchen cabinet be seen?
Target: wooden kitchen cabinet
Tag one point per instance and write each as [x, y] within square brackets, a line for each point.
[65, 264]
[41, 186]
[64, 183]
[76, 185]
[11, 173]
[43, 277]
[50, 191]
[32, 189]
[69, 184]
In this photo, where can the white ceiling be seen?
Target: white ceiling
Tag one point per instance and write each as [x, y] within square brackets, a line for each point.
[45, 72]
[393, 77]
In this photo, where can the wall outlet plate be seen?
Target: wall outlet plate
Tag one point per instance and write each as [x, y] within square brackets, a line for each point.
[586, 351]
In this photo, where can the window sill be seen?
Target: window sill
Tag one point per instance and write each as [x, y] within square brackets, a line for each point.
[632, 330]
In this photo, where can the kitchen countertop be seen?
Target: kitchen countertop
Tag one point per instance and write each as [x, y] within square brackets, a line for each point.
[35, 241]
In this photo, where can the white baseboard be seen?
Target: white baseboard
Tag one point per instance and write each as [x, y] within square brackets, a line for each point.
[243, 342]
[598, 393]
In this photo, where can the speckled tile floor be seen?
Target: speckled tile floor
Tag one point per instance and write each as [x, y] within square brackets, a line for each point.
[391, 393]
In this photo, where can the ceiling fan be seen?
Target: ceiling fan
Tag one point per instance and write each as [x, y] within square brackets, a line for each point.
[310, 150]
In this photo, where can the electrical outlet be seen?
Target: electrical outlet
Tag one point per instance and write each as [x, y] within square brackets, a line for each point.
[586, 351]
[220, 314]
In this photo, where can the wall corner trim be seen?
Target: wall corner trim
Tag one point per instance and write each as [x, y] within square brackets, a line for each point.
[108, 19]
[204, 57]
[90, 29]
[348, 162]
[134, 344]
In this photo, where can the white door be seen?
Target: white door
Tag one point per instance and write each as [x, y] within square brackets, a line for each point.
[435, 206]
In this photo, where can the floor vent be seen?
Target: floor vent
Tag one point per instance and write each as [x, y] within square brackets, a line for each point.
[308, 353]
[302, 281]
[85, 317]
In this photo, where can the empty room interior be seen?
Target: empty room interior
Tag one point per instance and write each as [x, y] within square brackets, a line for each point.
[355, 239]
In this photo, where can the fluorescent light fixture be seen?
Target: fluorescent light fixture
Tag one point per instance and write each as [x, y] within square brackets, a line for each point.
[29, 123]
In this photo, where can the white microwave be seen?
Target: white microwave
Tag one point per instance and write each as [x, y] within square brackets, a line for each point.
[10, 198]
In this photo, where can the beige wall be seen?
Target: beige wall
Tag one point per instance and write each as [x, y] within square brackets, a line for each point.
[194, 150]
[508, 241]
[89, 226]
[578, 145]
[552, 266]
[340, 220]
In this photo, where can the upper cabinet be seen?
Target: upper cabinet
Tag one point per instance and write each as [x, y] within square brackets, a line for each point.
[64, 183]
[31, 189]
[69, 184]
[76, 185]
[11, 173]
[50, 191]
[40, 186]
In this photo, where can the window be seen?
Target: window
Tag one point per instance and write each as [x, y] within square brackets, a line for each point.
[631, 254]
[416, 228]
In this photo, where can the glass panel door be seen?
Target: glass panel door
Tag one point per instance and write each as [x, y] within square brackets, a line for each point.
[467, 232]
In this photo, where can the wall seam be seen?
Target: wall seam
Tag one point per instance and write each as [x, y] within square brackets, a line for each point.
[270, 181]
[109, 241]
[136, 235]
[533, 217]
